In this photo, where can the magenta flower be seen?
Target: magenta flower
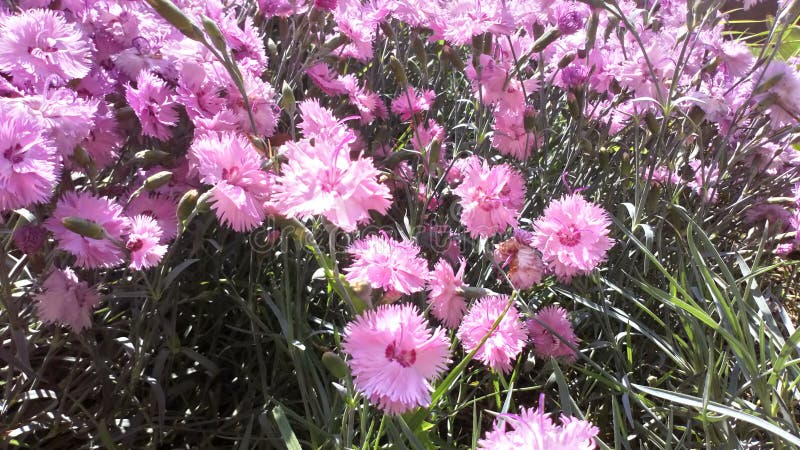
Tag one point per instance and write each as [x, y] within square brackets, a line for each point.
[90, 253]
[38, 44]
[491, 197]
[326, 79]
[409, 103]
[30, 238]
[28, 166]
[66, 300]
[534, 430]
[395, 356]
[153, 104]
[505, 342]
[521, 260]
[382, 262]
[545, 343]
[447, 303]
[143, 243]
[572, 235]
[321, 179]
[229, 162]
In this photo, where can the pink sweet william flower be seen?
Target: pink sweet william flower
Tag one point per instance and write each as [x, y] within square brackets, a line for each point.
[505, 342]
[90, 253]
[447, 303]
[395, 356]
[143, 243]
[66, 300]
[382, 262]
[491, 197]
[409, 103]
[38, 44]
[535, 430]
[160, 207]
[153, 104]
[517, 255]
[229, 162]
[572, 235]
[321, 179]
[28, 167]
[547, 344]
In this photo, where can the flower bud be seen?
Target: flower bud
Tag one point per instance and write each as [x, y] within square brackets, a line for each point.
[187, 204]
[335, 364]
[287, 98]
[399, 71]
[157, 180]
[172, 14]
[213, 32]
[85, 228]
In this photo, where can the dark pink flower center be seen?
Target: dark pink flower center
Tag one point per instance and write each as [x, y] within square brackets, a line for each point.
[404, 357]
[232, 174]
[134, 245]
[569, 235]
[12, 154]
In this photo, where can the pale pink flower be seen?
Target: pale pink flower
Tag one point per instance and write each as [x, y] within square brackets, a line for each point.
[90, 253]
[510, 136]
[28, 164]
[395, 356]
[505, 342]
[491, 197]
[143, 243]
[661, 176]
[38, 44]
[261, 96]
[704, 181]
[66, 300]
[153, 104]
[321, 179]
[521, 260]
[547, 344]
[162, 208]
[382, 262]
[572, 235]
[409, 102]
[326, 79]
[231, 164]
[535, 430]
[447, 303]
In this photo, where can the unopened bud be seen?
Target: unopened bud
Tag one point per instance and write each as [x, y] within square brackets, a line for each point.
[81, 156]
[187, 204]
[335, 364]
[287, 98]
[399, 71]
[172, 14]
[85, 228]
[213, 32]
[157, 180]
[546, 39]
[151, 156]
[203, 203]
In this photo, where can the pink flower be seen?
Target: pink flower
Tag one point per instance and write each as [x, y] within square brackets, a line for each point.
[153, 104]
[28, 167]
[704, 182]
[159, 207]
[661, 176]
[66, 300]
[534, 430]
[409, 103]
[39, 43]
[321, 179]
[395, 356]
[524, 265]
[382, 262]
[510, 136]
[229, 162]
[547, 344]
[30, 238]
[572, 235]
[143, 243]
[447, 303]
[327, 80]
[505, 342]
[491, 197]
[90, 253]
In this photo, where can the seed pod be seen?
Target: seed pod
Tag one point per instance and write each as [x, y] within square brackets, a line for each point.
[85, 228]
